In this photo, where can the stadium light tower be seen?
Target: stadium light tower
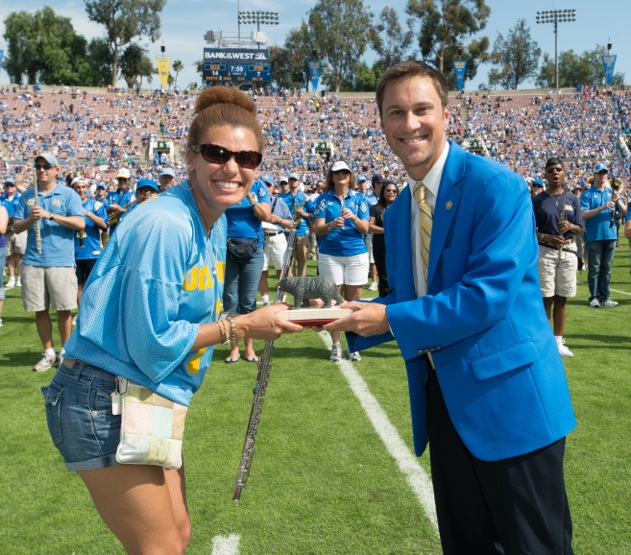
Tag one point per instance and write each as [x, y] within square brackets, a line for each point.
[259, 17]
[556, 17]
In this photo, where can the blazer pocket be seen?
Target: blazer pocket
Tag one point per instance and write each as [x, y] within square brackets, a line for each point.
[502, 361]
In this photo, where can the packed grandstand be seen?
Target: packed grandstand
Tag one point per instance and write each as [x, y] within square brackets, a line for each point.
[96, 132]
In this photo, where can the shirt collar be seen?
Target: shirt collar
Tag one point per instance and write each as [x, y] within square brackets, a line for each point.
[434, 175]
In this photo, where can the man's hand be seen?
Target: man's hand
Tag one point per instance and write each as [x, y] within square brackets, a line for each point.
[367, 319]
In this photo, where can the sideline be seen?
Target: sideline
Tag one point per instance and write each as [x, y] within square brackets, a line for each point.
[408, 463]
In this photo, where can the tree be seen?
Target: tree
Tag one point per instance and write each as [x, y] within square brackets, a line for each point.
[289, 63]
[44, 47]
[444, 27]
[177, 67]
[389, 40]
[124, 20]
[135, 64]
[574, 70]
[516, 57]
[100, 60]
[340, 31]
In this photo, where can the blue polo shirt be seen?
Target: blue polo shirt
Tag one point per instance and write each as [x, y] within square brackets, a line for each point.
[10, 205]
[241, 219]
[598, 228]
[57, 240]
[297, 202]
[92, 241]
[347, 241]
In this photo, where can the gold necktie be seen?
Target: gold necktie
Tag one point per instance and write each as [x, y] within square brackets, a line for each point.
[425, 222]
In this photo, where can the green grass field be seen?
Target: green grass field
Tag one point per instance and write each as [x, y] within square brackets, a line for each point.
[322, 480]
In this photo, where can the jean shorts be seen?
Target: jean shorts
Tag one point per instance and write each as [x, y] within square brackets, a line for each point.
[79, 415]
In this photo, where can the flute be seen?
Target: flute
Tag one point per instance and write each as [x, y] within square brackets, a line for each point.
[38, 225]
[263, 369]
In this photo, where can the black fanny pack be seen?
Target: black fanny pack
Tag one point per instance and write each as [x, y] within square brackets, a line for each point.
[241, 249]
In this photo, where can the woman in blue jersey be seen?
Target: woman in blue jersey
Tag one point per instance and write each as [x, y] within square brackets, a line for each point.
[149, 314]
[341, 221]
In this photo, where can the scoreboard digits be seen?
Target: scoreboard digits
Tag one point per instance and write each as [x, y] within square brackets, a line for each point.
[257, 73]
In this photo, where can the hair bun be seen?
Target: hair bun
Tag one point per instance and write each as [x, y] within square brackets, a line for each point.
[223, 95]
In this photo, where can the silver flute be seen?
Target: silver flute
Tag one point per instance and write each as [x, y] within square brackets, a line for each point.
[263, 369]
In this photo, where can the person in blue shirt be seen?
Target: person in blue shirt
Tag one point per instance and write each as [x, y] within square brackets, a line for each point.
[4, 224]
[15, 242]
[149, 313]
[121, 200]
[48, 274]
[296, 200]
[87, 243]
[145, 190]
[598, 204]
[244, 263]
[341, 221]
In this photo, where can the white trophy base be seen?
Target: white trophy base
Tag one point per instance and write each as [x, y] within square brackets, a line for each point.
[314, 316]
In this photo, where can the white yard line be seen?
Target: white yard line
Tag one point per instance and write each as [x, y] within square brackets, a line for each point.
[621, 292]
[226, 545]
[408, 463]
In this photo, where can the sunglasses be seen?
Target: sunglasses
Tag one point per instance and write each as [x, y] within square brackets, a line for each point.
[216, 154]
[341, 172]
[9, 184]
[43, 166]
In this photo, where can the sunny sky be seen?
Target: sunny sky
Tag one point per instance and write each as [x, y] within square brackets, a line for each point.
[185, 22]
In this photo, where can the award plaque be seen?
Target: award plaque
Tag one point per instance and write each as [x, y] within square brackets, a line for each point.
[314, 316]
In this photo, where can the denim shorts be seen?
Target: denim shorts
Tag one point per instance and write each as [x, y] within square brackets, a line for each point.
[79, 415]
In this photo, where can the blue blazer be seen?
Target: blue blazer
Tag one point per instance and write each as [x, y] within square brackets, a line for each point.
[483, 318]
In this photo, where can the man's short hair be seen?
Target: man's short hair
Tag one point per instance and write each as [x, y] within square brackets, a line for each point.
[412, 68]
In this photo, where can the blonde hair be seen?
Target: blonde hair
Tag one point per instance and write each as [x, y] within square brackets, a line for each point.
[216, 106]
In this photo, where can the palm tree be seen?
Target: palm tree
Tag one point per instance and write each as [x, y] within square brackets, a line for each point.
[177, 67]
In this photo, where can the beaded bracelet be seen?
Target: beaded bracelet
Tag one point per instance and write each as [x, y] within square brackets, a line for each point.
[233, 330]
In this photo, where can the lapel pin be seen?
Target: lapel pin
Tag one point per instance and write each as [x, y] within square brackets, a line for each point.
[449, 205]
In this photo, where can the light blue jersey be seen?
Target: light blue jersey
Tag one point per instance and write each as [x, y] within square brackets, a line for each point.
[92, 240]
[158, 279]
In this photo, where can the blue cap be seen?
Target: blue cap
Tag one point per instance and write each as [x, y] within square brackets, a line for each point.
[378, 178]
[167, 171]
[600, 167]
[361, 179]
[537, 183]
[51, 159]
[147, 183]
[9, 180]
[267, 178]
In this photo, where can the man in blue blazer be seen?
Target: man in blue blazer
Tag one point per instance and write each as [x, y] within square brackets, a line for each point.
[486, 381]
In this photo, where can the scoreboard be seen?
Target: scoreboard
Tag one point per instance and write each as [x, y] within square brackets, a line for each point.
[257, 73]
[237, 65]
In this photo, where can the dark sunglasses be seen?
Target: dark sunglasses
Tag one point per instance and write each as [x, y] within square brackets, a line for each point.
[216, 154]
[43, 166]
[9, 184]
[341, 172]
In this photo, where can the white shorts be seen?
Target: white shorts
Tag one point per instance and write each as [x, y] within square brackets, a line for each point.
[371, 258]
[344, 270]
[274, 251]
[557, 271]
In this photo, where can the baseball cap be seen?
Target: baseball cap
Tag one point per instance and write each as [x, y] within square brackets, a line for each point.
[101, 186]
[267, 178]
[378, 178]
[537, 183]
[167, 171]
[283, 178]
[361, 179]
[9, 180]
[600, 167]
[48, 157]
[339, 165]
[123, 173]
[147, 183]
[294, 176]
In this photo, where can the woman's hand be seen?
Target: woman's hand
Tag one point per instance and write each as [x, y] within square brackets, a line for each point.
[265, 323]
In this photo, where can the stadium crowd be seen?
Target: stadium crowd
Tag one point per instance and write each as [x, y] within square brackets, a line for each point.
[106, 139]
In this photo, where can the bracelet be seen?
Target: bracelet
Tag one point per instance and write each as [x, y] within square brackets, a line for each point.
[233, 331]
[223, 331]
